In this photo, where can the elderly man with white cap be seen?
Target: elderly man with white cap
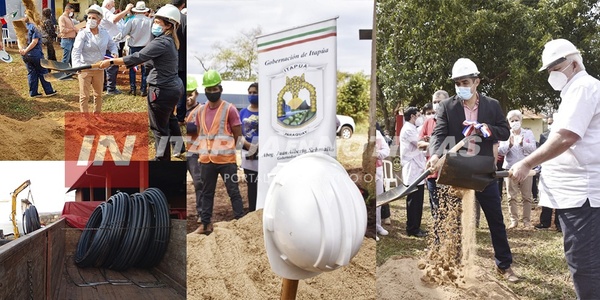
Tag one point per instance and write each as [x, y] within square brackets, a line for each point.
[109, 23]
[571, 177]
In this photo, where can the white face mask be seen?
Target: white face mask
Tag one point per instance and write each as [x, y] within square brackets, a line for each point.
[516, 125]
[430, 116]
[91, 24]
[436, 106]
[558, 79]
[112, 10]
[419, 121]
[71, 14]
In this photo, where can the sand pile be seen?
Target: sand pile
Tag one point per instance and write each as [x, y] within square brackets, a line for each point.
[232, 263]
[449, 270]
[36, 139]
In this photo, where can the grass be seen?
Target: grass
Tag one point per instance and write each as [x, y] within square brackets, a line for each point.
[538, 256]
[15, 102]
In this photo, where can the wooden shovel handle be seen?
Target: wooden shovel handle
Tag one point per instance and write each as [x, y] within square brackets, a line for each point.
[454, 149]
[289, 287]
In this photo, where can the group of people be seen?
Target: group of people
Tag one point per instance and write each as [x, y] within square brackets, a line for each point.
[216, 130]
[569, 166]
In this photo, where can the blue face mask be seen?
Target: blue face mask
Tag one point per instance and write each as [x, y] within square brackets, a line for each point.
[156, 30]
[464, 92]
[253, 99]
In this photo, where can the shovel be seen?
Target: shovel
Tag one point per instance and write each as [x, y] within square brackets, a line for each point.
[401, 191]
[289, 288]
[471, 172]
[65, 67]
[51, 77]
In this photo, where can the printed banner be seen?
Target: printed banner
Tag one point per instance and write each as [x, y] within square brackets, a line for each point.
[298, 83]
[106, 149]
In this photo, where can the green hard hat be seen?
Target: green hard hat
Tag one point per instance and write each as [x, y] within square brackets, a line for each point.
[192, 84]
[211, 78]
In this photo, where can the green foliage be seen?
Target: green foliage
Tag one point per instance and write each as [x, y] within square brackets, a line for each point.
[238, 58]
[353, 95]
[419, 41]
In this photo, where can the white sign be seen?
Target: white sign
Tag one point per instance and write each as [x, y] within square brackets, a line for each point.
[297, 83]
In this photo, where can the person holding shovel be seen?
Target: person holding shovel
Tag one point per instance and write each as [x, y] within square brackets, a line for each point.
[32, 55]
[473, 113]
[569, 158]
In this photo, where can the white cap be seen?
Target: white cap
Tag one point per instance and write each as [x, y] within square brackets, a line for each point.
[95, 9]
[140, 6]
[464, 67]
[555, 51]
[314, 217]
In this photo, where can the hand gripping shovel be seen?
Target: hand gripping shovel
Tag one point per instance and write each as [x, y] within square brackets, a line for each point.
[65, 67]
[470, 172]
[401, 191]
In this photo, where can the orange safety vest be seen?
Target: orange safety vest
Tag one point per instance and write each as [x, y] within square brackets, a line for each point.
[192, 139]
[217, 144]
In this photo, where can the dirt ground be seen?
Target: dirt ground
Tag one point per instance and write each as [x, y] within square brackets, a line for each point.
[231, 263]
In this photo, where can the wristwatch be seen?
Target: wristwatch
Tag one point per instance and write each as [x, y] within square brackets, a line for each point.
[112, 62]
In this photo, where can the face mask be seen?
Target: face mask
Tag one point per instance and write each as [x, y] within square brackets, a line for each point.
[71, 14]
[558, 79]
[515, 125]
[91, 24]
[253, 99]
[549, 127]
[436, 106]
[464, 92]
[213, 97]
[157, 30]
[112, 10]
[430, 116]
[419, 121]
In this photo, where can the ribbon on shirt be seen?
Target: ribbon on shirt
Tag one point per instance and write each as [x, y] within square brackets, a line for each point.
[472, 126]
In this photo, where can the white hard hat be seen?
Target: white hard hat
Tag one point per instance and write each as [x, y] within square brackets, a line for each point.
[94, 9]
[169, 12]
[464, 67]
[314, 217]
[556, 50]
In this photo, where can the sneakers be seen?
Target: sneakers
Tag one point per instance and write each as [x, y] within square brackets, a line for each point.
[144, 93]
[527, 224]
[513, 224]
[132, 92]
[508, 274]
[419, 234]
[204, 229]
[36, 95]
[51, 94]
[541, 226]
[114, 92]
[387, 221]
[382, 231]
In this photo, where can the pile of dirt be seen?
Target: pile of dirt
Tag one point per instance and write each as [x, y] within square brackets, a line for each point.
[36, 139]
[232, 263]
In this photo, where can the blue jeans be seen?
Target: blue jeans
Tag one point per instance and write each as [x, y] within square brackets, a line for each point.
[35, 73]
[111, 76]
[67, 46]
[210, 174]
[143, 85]
[581, 230]
[193, 166]
[491, 205]
[434, 201]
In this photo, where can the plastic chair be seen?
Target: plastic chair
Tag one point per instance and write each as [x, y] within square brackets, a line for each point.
[5, 37]
[388, 175]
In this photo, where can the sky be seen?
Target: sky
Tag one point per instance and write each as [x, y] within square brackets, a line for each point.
[223, 20]
[47, 185]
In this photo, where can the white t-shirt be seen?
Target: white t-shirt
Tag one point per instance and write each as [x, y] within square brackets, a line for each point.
[574, 176]
[412, 159]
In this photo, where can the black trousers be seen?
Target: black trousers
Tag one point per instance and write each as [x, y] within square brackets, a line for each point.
[546, 217]
[161, 103]
[414, 210]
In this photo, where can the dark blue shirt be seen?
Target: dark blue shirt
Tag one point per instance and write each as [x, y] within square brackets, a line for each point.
[33, 33]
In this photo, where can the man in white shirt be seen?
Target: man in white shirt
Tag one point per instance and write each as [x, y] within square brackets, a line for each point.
[139, 30]
[571, 176]
[413, 165]
[109, 23]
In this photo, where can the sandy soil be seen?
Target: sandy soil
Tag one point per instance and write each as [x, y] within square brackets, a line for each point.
[36, 139]
[231, 263]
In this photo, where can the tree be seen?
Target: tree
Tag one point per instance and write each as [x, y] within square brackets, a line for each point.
[353, 95]
[419, 41]
[236, 59]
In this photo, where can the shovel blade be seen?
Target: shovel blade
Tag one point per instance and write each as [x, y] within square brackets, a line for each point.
[54, 65]
[470, 172]
[51, 77]
[395, 193]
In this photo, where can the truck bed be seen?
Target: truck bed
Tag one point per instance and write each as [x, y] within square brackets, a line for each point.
[41, 265]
